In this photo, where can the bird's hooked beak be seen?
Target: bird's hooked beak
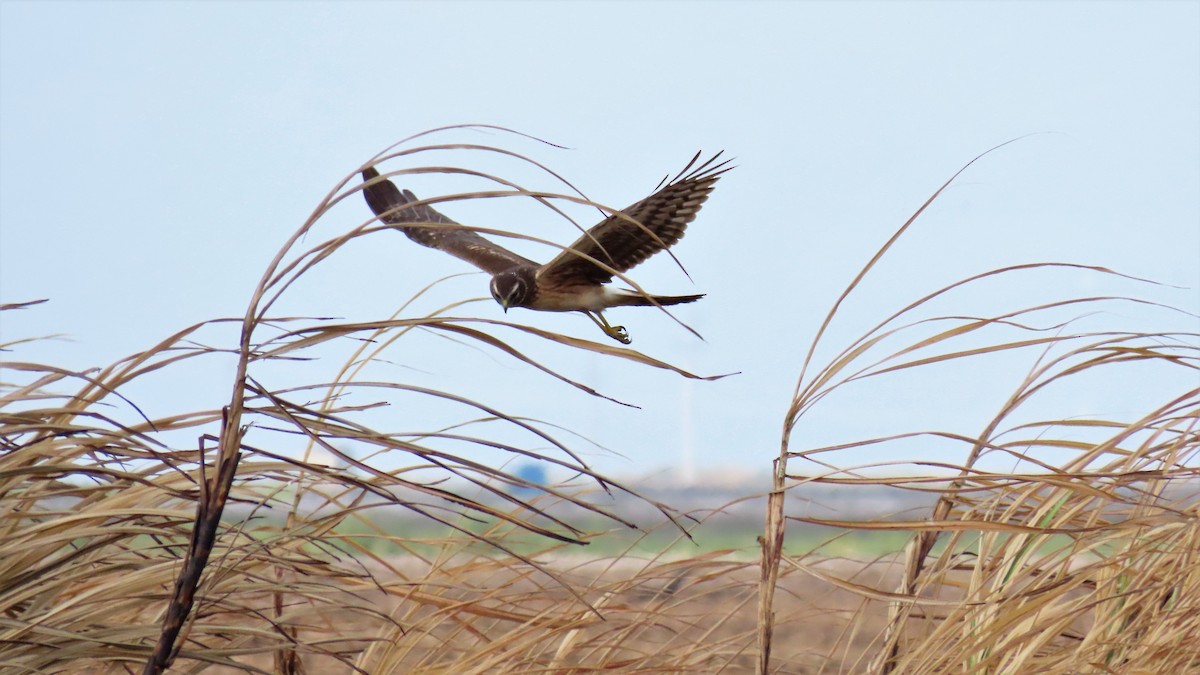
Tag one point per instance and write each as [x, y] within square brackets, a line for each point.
[504, 304]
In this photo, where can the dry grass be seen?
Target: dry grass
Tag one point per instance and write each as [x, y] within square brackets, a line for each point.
[1086, 561]
[124, 548]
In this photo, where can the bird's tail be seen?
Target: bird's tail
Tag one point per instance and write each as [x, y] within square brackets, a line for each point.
[638, 300]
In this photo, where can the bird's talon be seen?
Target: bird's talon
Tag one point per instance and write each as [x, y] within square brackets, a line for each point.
[621, 335]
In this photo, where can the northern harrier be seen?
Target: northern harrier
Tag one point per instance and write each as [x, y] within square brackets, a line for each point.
[576, 279]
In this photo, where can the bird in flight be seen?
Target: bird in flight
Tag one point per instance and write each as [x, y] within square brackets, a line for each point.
[576, 280]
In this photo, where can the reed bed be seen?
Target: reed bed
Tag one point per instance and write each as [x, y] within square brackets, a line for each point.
[260, 534]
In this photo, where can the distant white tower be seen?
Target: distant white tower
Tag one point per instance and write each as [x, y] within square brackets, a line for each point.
[687, 436]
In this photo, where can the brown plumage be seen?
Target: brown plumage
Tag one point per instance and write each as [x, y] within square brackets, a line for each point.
[575, 280]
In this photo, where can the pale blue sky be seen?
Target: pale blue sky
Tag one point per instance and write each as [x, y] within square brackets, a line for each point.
[155, 155]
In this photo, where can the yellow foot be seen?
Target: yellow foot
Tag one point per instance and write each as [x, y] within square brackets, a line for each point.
[619, 334]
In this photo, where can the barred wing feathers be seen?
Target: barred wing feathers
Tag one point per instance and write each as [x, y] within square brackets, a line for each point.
[661, 220]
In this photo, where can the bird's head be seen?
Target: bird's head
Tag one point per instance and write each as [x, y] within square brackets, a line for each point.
[513, 288]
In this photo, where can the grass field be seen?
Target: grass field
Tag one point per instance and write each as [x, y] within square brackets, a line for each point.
[126, 549]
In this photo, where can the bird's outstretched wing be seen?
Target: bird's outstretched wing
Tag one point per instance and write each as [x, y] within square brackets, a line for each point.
[395, 208]
[658, 221]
